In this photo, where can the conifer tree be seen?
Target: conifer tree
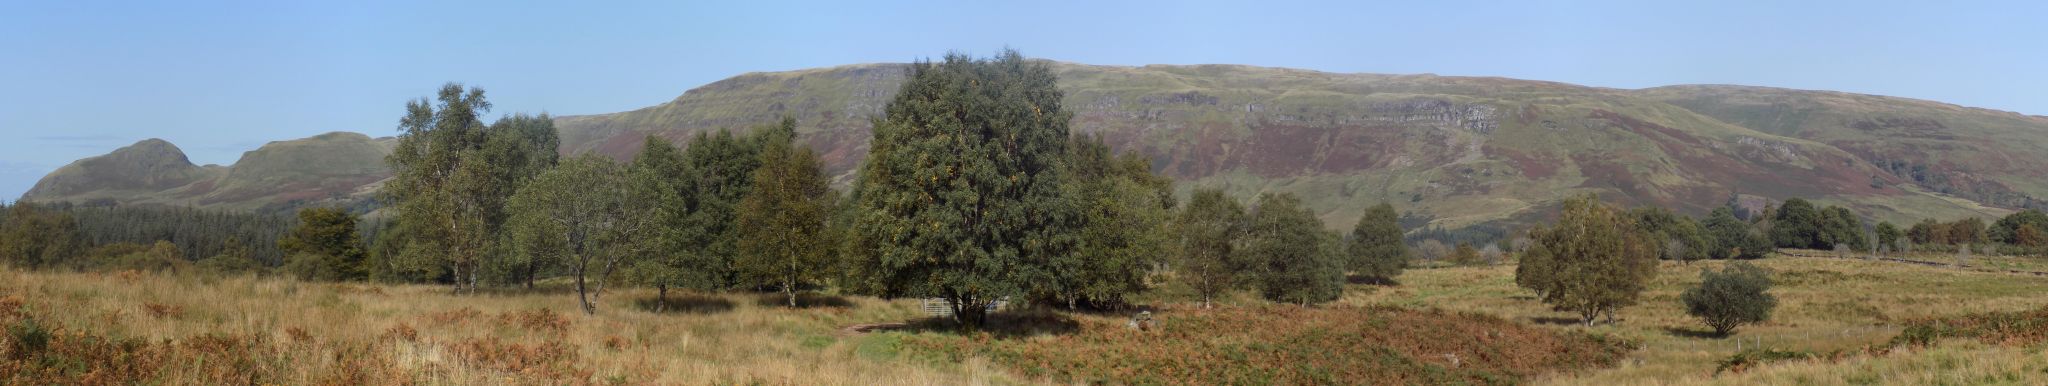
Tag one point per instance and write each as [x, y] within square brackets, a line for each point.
[324, 246]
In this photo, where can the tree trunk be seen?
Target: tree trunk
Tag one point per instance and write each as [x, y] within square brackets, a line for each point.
[456, 270]
[531, 270]
[789, 289]
[660, 298]
[584, 296]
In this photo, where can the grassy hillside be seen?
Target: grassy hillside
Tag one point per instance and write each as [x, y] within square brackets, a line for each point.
[1458, 151]
[1994, 157]
[1461, 150]
[328, 168]
[176, 329]
[144, 168]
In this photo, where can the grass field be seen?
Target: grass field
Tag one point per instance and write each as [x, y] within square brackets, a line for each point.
[1824, 305]
[177, 329]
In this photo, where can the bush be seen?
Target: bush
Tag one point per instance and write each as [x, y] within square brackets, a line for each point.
[1732, 297]
[28, 338]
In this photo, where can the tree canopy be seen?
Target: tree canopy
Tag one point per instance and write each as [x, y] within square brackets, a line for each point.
[1122, 232]
[1212, 260]
[582, 213]
[961, 196]
[781, 221]
[1591, 262]
[1296, 263]
[1375, 249]
[1731, 297]
[324, 246]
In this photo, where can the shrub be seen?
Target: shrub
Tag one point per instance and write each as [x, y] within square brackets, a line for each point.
[27, 337]
[1731, 297]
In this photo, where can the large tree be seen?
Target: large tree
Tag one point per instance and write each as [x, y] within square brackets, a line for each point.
[1295, 263]
[2009, 229]
[1677, 237]
[516, 148]
[1839, 226]
[1123, 236]
[1967, 231]
[1887, 235]
[1798, 224]
[718, 173]
[1734, 296]
[1375, 249]
[1209, 230]
[581, 212]
[33, 237]
[660, 173]
[437, 180]
[1593, 261]
[324, 246]
[782, 221]
[1731, 238]
[961, 195]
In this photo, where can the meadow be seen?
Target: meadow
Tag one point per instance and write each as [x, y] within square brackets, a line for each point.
[1439, 325]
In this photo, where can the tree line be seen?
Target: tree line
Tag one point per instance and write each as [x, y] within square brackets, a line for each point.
[974, 190]
[106, 237]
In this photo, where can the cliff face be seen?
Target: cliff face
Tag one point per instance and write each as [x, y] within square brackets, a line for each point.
[1453, 151]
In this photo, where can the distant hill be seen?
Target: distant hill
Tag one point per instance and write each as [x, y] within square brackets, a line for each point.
[1453, 151]
[329, 169]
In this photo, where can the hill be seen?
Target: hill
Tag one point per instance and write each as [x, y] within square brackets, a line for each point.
[339, 167]
[1455, 151]
[1458, 151]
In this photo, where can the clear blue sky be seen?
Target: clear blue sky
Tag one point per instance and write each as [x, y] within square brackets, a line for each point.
[80, 78]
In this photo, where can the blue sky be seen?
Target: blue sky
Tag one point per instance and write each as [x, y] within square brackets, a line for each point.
[80, 78]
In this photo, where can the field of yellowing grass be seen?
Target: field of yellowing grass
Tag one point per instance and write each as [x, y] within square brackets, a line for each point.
[1824, 305]
[127, 328]
[123, 328]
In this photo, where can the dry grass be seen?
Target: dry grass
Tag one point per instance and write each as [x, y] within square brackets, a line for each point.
[1825, 305]
[1959, 362]
[141, 328]
[1285, 345]
[199, 330]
